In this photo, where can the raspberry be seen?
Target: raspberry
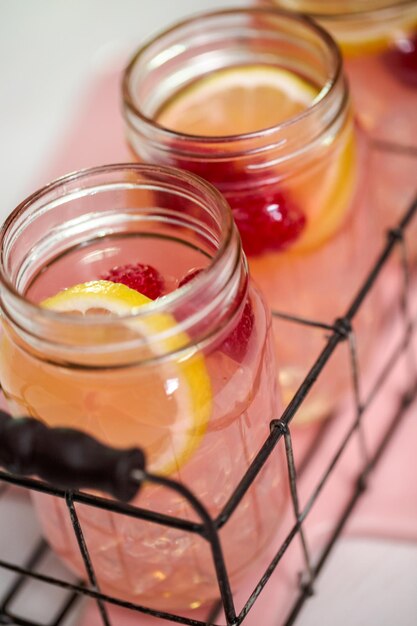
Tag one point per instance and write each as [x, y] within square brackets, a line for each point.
[142, 278]
[267, 223]
[236, 343]
[402, 60]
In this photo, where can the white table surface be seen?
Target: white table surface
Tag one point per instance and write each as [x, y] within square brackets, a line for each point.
[49, 49]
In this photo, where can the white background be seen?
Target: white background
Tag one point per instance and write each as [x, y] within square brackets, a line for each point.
[49, 51]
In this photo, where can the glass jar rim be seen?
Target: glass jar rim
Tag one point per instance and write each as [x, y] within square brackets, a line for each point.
[324, 94]
[357, 11]
[175, 297]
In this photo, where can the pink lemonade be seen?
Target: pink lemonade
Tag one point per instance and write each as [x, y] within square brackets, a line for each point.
[259, 107]
[188, 375]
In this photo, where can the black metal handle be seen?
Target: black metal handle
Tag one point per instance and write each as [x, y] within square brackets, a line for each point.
[67, 457]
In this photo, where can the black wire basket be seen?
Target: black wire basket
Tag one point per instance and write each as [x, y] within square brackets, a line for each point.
[68, 461]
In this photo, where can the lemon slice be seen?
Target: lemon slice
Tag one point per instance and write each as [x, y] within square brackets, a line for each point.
[237, 100]
[328, 203]
[164, 407]
[97, 296]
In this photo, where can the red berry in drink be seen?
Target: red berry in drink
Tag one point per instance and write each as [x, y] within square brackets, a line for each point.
[144, 278]
[267, 220]
[402, 60]
[236, 343]
[267, 223]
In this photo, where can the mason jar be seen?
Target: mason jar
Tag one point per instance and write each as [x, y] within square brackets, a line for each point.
[298, 189]
[186, 373]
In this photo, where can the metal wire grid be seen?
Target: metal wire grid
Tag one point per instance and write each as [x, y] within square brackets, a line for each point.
[208, 528]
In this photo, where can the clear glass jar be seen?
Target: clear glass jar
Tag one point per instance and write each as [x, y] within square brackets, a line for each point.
[314, 161]
[177, 376]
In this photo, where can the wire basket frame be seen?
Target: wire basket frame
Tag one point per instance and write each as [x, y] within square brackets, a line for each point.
[208, 527]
